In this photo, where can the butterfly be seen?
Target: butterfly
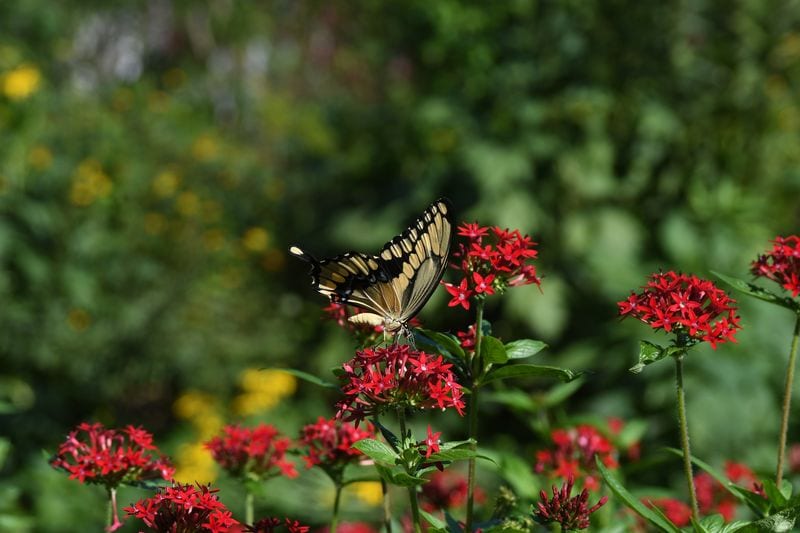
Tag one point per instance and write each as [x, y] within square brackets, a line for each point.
[394, 285]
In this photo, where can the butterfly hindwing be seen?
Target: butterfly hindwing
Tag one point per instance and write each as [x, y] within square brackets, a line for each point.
[395, 284]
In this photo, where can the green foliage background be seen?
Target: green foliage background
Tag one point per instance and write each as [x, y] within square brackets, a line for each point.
[171, 151]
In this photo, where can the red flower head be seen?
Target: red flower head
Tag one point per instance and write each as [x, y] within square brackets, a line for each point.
[365, 334]
[686, 304]
[94, 454]
[781, 264]
[270, 525]
[330, 442]
[377, 379]
[491, 260]
[184, 508]
[352, 527]
[431, 442]
[446, 490]
[573, 455]
[678, 512]
[713, 498]
[572, 512]
[258, 451]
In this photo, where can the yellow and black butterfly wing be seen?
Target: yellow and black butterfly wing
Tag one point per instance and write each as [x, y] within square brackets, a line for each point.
[394, 285]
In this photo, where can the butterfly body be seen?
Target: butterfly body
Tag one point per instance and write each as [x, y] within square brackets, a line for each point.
[393, 286]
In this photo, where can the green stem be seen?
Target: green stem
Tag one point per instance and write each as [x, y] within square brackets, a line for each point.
[412, 491]
[476, 365]
[684, 428]
[387, 507]
[336, 501]
[248, 507]
[787, 400]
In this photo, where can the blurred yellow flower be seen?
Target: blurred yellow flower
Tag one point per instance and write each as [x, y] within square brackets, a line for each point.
[213, 240]
[155, 223]
[166, 183]
[263, 389]
[21, 82]
[204, 148]
[193, 403]
[208, 425]
[369, 492]
[89, 183]
[188, 203]
[211, 211]
[78, 319]
[255, 239]
[193, 463]
[40, 157]
[232, 277]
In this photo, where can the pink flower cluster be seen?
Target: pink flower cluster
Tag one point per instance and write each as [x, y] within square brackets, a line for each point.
[259, 451]
[270, 525]
[491, 260]
[330, 442]
[93, 454]
[184, 508]
[377, 379]
[572, 512]
[781, 264]
[573, 453]
[684, 304]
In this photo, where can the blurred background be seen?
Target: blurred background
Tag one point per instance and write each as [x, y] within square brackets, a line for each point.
[158, 157]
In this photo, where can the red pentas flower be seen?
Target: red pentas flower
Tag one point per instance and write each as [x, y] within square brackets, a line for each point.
[397, 376]
[572, 512]
[269, 525]
[352, 527]
[93, 454]
[685, 304]
[446, 490]
[258, 451]
[713, 498]
[183, 508]
[678, 512]
[573, 453]
[490, 260]
[781, 264]
[329, 443]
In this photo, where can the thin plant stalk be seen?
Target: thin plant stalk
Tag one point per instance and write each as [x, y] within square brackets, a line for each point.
[113, 517]
[387, 507]
[412, 490]
[475, 365]
[336, 501]
[684, 429]
[248, 507]
[787, 401]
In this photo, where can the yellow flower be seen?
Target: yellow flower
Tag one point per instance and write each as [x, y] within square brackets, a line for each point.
[155, 223]
[193, 403]
[204, 148]
[194, 463]
[78, 319]
[21, 82]
[369, 492]
[188, 204]
[255, 239]
[263, 390]
[89, 183]
[166, 183]
[213, 240]
[40, 157]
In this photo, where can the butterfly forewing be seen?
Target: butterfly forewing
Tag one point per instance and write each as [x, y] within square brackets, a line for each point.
[397, 282]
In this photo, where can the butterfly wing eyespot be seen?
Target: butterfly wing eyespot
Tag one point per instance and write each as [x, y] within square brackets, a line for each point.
[394, 285]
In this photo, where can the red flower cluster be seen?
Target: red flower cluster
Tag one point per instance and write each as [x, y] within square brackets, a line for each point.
[676, 511]
[330, 442]
[340, 313]
[781, 264]
[492, 266]
[183, 508]
[94, 454]
[573, 455]
[572, 512]
[269, 525]
[712, 497]
[258, 451]
[377, 379]
[686, 304]
[352, 527]
[446, 490]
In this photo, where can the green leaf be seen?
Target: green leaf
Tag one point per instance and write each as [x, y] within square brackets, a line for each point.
[444, 343]
[632, 502]
[778, 522]
[404, 479]
[648, 353]
[376, 450]
[305, 376]
[716, 524]
[523, 348]
[437, 523]
[458, 454]
[775, 496]
[524, 370]
[493, 351]
[456, 443]
[758, 292]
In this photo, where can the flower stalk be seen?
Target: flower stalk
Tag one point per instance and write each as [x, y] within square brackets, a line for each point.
[684, 430]
[475, 365]
[336, 501]
[787, 400]
[412, 490]
[249, 515]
